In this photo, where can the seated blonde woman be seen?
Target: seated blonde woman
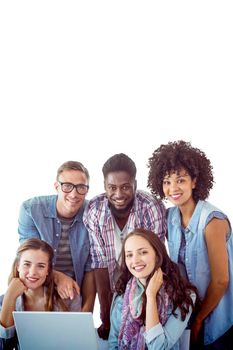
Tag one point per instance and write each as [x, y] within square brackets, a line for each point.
[31, 288]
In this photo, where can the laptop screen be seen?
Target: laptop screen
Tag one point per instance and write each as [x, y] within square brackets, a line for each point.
[38, 330]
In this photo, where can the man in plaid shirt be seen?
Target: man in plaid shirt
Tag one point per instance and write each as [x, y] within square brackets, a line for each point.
[109, 217]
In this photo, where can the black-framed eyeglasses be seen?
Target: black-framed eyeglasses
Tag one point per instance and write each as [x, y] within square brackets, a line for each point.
[68, 187]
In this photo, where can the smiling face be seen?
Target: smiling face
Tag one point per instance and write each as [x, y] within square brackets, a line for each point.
[68, 204]
[140, 257]
[178, 188]
[120, 189]
[33, 268]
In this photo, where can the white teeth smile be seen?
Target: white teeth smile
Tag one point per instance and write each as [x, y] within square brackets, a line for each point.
[139, 268]
[32, 279]
[175, 196]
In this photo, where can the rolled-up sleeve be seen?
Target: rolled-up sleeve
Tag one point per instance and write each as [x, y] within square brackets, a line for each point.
[153, 333]
[7, 333]
[166, 337]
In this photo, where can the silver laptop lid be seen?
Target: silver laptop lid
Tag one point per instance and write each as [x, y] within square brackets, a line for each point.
[38, 330]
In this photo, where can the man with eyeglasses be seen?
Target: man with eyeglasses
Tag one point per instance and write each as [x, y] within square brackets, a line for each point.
[109, 217]
[58, 220]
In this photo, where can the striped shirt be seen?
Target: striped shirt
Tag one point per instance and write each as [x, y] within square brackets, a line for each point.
[147, 212]
[64, 261]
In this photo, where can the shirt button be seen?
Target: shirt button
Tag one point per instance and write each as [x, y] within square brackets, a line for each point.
[55, 250]
[57, 234]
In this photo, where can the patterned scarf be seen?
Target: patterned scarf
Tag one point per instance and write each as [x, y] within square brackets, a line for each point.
[132, 328]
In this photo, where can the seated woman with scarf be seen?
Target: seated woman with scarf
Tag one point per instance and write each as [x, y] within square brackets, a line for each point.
[152, 303]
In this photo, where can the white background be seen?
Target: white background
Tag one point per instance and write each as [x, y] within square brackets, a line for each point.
[85, 80]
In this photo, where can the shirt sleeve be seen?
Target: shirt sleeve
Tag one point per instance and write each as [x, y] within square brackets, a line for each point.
[97, 247]
[8, 336]
[26, 226]
[115, 319]
[154, 218]
[7, 333]
[165, 337]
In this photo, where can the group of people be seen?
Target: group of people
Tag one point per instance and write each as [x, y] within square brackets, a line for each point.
[150, 293]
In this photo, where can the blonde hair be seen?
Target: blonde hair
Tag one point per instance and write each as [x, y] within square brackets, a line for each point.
[52, 296]
[73, 165]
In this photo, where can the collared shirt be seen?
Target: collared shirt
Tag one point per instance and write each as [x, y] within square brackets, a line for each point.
[147, 212]
[38, 218]
[168, 336]
[197, 262]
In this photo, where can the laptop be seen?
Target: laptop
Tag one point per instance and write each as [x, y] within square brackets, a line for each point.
[40, 330]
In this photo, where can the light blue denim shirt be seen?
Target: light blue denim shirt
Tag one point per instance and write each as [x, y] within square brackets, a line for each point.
[158, 337]
[197, 263]
[38, 218]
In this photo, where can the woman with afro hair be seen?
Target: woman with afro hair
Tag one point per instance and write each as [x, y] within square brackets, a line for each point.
[199, 238]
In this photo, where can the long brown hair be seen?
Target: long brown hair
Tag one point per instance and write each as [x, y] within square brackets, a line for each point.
[52, 296]
[178, 289]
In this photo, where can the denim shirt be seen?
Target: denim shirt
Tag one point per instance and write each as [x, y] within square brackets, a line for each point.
[197, 263]
[38, 218]
[168, 336]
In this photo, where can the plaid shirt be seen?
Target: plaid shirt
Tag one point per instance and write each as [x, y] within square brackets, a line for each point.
[147, 212]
